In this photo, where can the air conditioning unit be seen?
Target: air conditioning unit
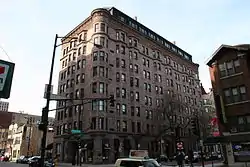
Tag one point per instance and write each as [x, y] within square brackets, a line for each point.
[233, 130]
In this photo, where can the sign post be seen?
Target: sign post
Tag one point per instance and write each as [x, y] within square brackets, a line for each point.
[6, 75]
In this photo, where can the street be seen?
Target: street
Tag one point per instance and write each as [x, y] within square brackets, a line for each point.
[12, 164]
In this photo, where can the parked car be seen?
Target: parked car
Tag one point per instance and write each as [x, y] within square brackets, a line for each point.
[35, 161]
[4, 158]
[195, 159]
[23, 159]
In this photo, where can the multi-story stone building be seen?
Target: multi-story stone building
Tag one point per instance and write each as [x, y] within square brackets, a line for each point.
[117, 55]
[4, 105]
[229, 71]
[25, 139]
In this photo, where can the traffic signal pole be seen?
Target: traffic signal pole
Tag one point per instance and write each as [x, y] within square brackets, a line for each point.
[200, 140]
[45, 112]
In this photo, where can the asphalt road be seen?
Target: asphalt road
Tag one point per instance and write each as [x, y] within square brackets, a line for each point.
[12, 164]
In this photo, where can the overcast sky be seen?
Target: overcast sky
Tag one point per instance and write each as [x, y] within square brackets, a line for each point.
[28, 27]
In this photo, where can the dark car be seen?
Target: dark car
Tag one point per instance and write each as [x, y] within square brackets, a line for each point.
[35, 162]
[23, 159]
[162, 159]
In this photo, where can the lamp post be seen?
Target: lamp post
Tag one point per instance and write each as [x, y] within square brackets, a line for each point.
[45, 111]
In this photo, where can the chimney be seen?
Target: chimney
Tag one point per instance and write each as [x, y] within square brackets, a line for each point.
[174, 42]
[135, 18]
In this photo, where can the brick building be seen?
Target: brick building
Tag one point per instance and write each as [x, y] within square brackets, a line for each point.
[5, 121]
[230, 76]
[116, 55]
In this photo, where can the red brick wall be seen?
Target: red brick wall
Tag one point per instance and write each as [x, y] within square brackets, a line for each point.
[5, 119]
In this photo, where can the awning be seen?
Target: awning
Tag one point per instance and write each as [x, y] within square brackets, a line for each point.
[215, 140]
[226, 139]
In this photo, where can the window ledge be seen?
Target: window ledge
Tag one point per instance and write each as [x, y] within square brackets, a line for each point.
[236, 103]
[233, 75]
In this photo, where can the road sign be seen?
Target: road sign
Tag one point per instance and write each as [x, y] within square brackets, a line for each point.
[76, 131]
[6, 75]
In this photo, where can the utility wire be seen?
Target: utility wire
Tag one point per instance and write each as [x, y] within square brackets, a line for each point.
[6, 53]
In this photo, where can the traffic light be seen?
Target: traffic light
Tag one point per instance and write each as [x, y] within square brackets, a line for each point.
[111, 100]
[43, 123]
[194, 126]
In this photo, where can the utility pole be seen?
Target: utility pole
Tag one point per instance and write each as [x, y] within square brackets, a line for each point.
[29, 125]
[45, 112]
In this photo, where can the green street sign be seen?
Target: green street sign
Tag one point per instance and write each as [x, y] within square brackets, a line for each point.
[76, 131]
[6, 75]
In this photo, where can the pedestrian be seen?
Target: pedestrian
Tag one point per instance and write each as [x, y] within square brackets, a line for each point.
[180, 157]
[191, 157]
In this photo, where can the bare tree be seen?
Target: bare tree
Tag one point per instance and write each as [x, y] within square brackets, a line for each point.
[173, 116]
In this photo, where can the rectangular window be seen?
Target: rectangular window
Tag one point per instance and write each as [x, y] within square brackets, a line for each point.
[230, 69]
[235, 94]
[101, 56]
[94, 71]
[94, 105]
[101, 105]
[222, 70]
[101, 87]
[124, 109]
[95, 56]
[118, 126]
[101, 72]
[243, 93]
[102, 41]
[227, 96]
[102, 28]
[96, 27]
[96, 41]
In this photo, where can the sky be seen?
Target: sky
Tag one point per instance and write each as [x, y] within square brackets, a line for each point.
[28, 28]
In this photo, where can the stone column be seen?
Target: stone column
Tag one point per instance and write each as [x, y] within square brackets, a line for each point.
[133, 144]
[121, 147]
[97, 157]
[62, 151]
[111, 151]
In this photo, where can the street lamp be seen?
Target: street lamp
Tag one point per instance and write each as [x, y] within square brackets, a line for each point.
[45, 111]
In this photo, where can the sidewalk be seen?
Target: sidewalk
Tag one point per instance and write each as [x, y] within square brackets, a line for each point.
[170, 164]
[209, 164]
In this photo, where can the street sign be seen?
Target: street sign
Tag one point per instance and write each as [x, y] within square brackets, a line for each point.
[6, 75]
[76, 131]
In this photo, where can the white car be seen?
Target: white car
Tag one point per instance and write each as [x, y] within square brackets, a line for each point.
[135, 162]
